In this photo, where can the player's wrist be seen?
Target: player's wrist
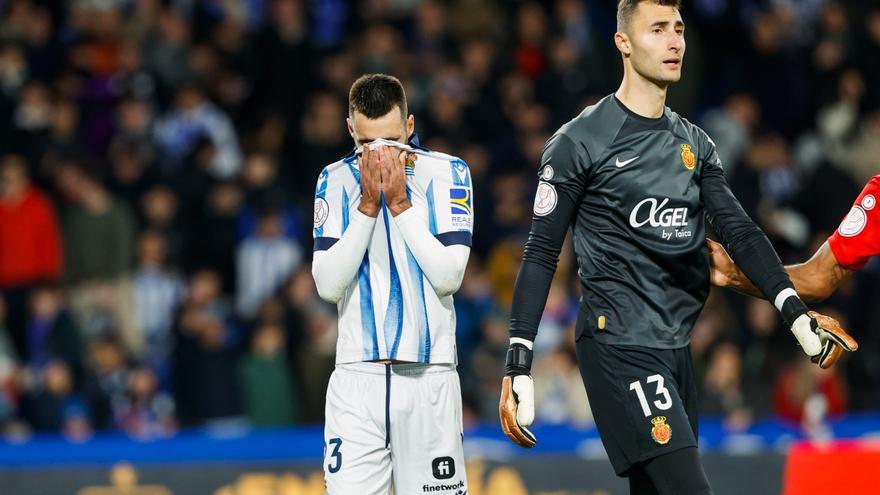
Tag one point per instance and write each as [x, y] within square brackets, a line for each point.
[396, 207]
[519, 360]
[369, 209]
[790, 306]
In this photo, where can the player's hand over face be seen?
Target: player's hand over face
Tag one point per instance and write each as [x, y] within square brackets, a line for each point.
[394, 179]
[371, 182]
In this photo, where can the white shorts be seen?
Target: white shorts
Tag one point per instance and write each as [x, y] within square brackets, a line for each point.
[394, 422]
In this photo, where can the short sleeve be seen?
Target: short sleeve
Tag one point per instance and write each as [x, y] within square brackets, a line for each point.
[857, 238]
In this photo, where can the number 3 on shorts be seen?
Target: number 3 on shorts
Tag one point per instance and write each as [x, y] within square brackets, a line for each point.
[335, 443]
[663, 405]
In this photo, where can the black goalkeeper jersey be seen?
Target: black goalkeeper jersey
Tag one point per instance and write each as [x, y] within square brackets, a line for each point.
[636, 192]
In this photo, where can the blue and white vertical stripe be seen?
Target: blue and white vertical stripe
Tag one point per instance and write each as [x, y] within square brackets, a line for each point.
[390, 311]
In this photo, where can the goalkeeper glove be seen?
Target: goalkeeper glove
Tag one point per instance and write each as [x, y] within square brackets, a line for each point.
[820, 336]
[517, 406]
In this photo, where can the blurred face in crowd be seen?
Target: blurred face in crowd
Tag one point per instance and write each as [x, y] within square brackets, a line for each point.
[160, 205]
[152, 249]
[270, 226]
[652, 43]
[259, 170]
[392, 126]
[269, 340]
[205, 287]
[106, 356]
[225, 199]
[142, 383]
[57, 377]
[45, 303]
[13, 176]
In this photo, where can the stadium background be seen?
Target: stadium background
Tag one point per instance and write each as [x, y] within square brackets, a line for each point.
[156, 183]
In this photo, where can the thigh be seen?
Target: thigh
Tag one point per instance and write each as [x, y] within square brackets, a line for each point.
[640, 483]
[426, 434]
[635, 400]
[678, 473]
[355, 457]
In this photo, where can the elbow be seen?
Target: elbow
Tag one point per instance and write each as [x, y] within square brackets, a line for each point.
[326, 290]
[450, 282]
[449, 285]
[328, 294]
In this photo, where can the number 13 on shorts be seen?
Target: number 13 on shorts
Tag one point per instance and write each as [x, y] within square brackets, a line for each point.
[662, 404]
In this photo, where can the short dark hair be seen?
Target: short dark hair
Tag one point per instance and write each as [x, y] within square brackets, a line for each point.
[625, 9]
[374, 95]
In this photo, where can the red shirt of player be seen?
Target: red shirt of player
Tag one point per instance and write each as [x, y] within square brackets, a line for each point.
[858, 237]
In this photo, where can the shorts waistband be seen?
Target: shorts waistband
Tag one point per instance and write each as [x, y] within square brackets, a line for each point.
[405, 369]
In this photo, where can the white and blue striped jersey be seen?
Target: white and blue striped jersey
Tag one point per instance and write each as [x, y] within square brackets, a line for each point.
[390, 310]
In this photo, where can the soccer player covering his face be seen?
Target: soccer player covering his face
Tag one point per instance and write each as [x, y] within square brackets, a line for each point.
[392, 229]
[636, 182]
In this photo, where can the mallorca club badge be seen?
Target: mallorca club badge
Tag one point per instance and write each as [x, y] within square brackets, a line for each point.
[661, 432]
[687, 157]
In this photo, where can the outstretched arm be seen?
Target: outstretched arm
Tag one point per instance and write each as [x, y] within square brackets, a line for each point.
[814, 280]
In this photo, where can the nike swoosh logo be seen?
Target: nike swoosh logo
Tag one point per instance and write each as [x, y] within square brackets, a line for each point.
[623, 164]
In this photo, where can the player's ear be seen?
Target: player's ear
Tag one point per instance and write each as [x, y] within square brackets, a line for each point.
[350, 125]
[410, 126]
[622, 42]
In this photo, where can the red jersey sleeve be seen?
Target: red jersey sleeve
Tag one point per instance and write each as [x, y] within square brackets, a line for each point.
[858, 237]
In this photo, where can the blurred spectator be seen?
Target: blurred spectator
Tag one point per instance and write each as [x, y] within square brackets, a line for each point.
[9, 397]
[268, 393]
[98, 229]
[805, 392]
[53, 406]
[731, 127]
[131, 117]
[264, 261]
[206, 386]
[193, 117]
[52, 335]
[147, 412]
[722, 395]
[559, 387]
[99, 251]
[106, 380]
[157, 293]
[30, 244]
[159, 207]
[212, 242]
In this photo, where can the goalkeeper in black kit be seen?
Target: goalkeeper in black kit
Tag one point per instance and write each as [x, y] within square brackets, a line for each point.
[636, 182]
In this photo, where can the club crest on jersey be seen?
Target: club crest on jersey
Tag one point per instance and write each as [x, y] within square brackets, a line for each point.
[661, 432]
[411, 163]
[688, 157]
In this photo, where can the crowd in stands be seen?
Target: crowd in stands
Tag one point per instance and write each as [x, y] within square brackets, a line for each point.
[158, 160]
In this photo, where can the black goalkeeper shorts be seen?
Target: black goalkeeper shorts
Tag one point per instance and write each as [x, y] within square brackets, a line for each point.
[644, 400]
